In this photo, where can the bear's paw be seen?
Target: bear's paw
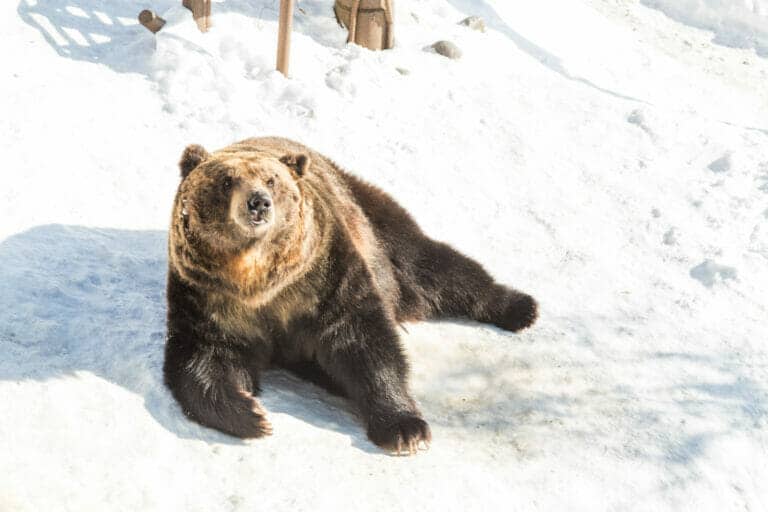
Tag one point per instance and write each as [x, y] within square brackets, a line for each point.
[520, 312]
[404, 435]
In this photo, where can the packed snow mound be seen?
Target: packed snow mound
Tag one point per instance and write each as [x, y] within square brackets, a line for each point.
[737, 23]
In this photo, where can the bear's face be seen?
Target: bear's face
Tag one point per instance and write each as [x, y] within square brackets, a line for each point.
[231, 201]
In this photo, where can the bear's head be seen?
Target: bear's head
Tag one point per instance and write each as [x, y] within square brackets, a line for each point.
[232, 200]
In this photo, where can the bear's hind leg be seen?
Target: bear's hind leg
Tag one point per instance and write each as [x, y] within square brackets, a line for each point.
[455, 286]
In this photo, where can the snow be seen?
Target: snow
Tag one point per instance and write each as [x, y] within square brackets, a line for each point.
[737, 23]
[607, 156]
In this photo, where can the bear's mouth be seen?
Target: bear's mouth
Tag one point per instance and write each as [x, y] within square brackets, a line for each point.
[253, 211]
[258, 218]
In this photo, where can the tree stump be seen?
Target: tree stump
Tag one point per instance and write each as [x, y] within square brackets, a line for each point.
[151, 21]
[370, 22]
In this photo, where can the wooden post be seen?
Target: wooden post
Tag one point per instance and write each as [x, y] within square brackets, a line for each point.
[201, 12]
[353, 21]
[284, 35]
[370, 22]
[390, 23]
[151, 21]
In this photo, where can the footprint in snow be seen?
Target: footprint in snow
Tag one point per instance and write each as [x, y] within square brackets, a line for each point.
[670, 237]
[337, 79]
[722, 164]
[708, 273]
[763, 179]
[637, 118]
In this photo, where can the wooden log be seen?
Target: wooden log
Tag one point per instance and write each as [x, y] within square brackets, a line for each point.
[151, 21]
[284, 35]
[187, 4]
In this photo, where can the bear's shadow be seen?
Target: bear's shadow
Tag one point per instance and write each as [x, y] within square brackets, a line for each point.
[76, 299]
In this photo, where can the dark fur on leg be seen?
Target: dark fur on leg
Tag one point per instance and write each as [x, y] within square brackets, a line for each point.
[367, 360]
[470, 292]
[508, 309]
[312, 372]
[435, 280]
[217, 399]
[212, 380]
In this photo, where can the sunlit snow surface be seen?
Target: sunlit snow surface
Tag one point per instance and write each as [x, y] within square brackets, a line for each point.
[609, 157]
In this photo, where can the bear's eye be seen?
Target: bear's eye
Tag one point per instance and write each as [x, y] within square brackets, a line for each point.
[271, 182]
[227, 182]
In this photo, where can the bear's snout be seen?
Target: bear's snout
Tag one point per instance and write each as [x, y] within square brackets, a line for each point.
[259, 206]
[259, 202]
[252, 208]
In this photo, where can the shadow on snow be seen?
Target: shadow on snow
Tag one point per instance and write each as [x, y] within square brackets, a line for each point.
[494, 21]
[77, 299]
[108, 33]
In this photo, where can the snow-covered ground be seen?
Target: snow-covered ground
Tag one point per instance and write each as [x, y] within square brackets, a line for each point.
[737, 23]
[608, 156]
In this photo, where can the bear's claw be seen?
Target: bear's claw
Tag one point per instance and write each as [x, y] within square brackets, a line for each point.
[405, 436]
[247, 418]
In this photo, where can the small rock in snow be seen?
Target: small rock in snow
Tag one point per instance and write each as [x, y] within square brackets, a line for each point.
[403, 71]
[447, 49]
[474, 22]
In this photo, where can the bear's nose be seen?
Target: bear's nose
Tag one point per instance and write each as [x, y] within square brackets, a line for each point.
[259, 202]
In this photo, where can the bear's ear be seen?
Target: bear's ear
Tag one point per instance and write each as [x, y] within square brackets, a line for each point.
[193, 155]
[299, 162]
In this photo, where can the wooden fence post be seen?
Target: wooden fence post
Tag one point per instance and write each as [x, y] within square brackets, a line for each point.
[284, 35]
[201, 12]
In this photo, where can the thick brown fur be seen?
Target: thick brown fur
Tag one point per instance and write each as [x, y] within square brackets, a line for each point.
[313, 275]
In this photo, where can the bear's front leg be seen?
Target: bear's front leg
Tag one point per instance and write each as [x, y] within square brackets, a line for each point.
[361, 352]
[213, 388]
[211, 376]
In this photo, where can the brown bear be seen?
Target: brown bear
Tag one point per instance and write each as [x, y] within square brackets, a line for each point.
[278, 258]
